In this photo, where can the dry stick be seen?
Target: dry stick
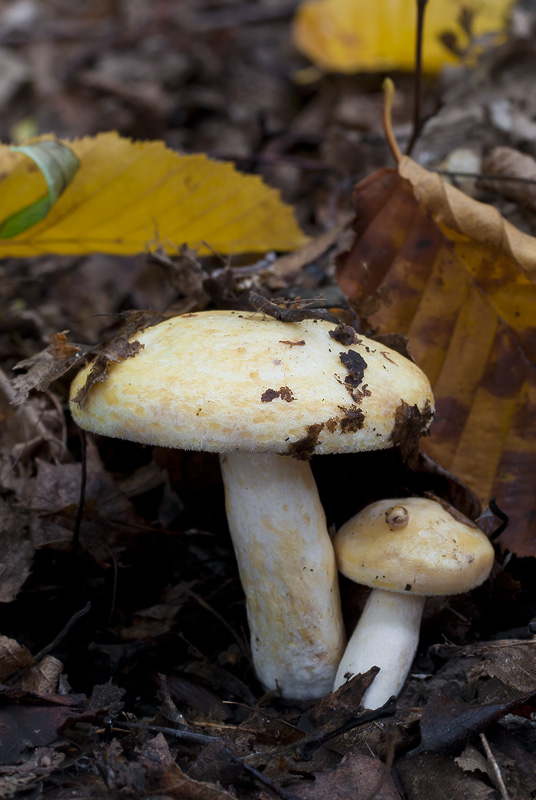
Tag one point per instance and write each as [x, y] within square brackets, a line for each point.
[484, 176]
[495, 768]
[417, 84]
[305, 749]
[238, 639]
[201, 738]
[63, 633]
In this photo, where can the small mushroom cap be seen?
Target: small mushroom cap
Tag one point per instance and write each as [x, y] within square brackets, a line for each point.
[434, 553]
[229, 380]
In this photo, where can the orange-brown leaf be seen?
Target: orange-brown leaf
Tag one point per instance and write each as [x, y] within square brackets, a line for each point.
[462, 290]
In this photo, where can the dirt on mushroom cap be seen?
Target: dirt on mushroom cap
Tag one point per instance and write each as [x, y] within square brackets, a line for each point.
[199, 381]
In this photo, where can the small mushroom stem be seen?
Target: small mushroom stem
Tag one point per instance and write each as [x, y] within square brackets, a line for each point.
[386, 636]
[288, 572]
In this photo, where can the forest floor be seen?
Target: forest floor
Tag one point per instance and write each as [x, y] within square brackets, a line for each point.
[124, 657]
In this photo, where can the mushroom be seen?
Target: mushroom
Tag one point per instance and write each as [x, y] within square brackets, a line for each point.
[258, 390]
[406, 550]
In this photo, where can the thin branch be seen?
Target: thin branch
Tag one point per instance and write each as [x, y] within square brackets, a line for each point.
[498, 779]
[417, 82]
[63, 633]
[201, 738]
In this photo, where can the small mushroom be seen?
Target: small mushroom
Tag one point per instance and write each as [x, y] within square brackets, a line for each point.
[433, 553]
[233, 383]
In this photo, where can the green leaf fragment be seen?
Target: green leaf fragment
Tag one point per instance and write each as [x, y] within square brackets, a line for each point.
[58, 165]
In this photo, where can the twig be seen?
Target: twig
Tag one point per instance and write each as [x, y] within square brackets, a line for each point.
[305, 749]
[417, 83]
[61, 635]
[265, 781]
[201, 738]
[483, 176]
[186, 736]
[238, 639]
[499, 783]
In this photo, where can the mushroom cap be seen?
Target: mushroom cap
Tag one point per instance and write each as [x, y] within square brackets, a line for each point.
[228, 380]
[434, 553]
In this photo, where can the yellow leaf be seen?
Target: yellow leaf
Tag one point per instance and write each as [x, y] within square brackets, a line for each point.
[356, 35]
[128, 196]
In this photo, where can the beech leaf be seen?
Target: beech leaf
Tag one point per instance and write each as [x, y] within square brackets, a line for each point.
[459, 281]
[129, 196]
[355, 35]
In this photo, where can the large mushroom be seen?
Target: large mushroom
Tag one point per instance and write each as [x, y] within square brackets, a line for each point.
[405, 550]
[266, 395]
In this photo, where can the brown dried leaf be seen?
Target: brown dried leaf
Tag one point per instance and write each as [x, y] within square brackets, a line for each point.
[465, 297]
[507, 162]
[108, 514]
[155, 756]
[178, 785]
[472, 760]
[61, 349]
[16, 552]
[479, 222]
[42, 678]
[13, 656]
[117, 350]
[46, 366]
[357, 776]
[446, 726]
[429, 775]
[511, 662]
[216, 764]
[24, 726]
[42, 762]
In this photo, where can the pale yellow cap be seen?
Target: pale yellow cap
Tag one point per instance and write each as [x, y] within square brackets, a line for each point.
[229, 380]
[434, 552]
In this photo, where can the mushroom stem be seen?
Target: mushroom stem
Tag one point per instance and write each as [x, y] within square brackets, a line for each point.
[288, 572]
[386, 636]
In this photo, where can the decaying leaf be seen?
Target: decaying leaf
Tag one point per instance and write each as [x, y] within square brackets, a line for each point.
[454, 277]
[55, 492]
[509, 661]
[447, 726]
[178, 784]
[355, 35]
[16, 552]
[24, 726]
[46, 366]
[13, 657]
[357, 776]
[117, 350]
[508, 163]
[431, 775]
[15, 779]
[130, 196]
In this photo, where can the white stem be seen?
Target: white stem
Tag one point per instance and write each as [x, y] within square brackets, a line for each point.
[386, 636]
[288, 572]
